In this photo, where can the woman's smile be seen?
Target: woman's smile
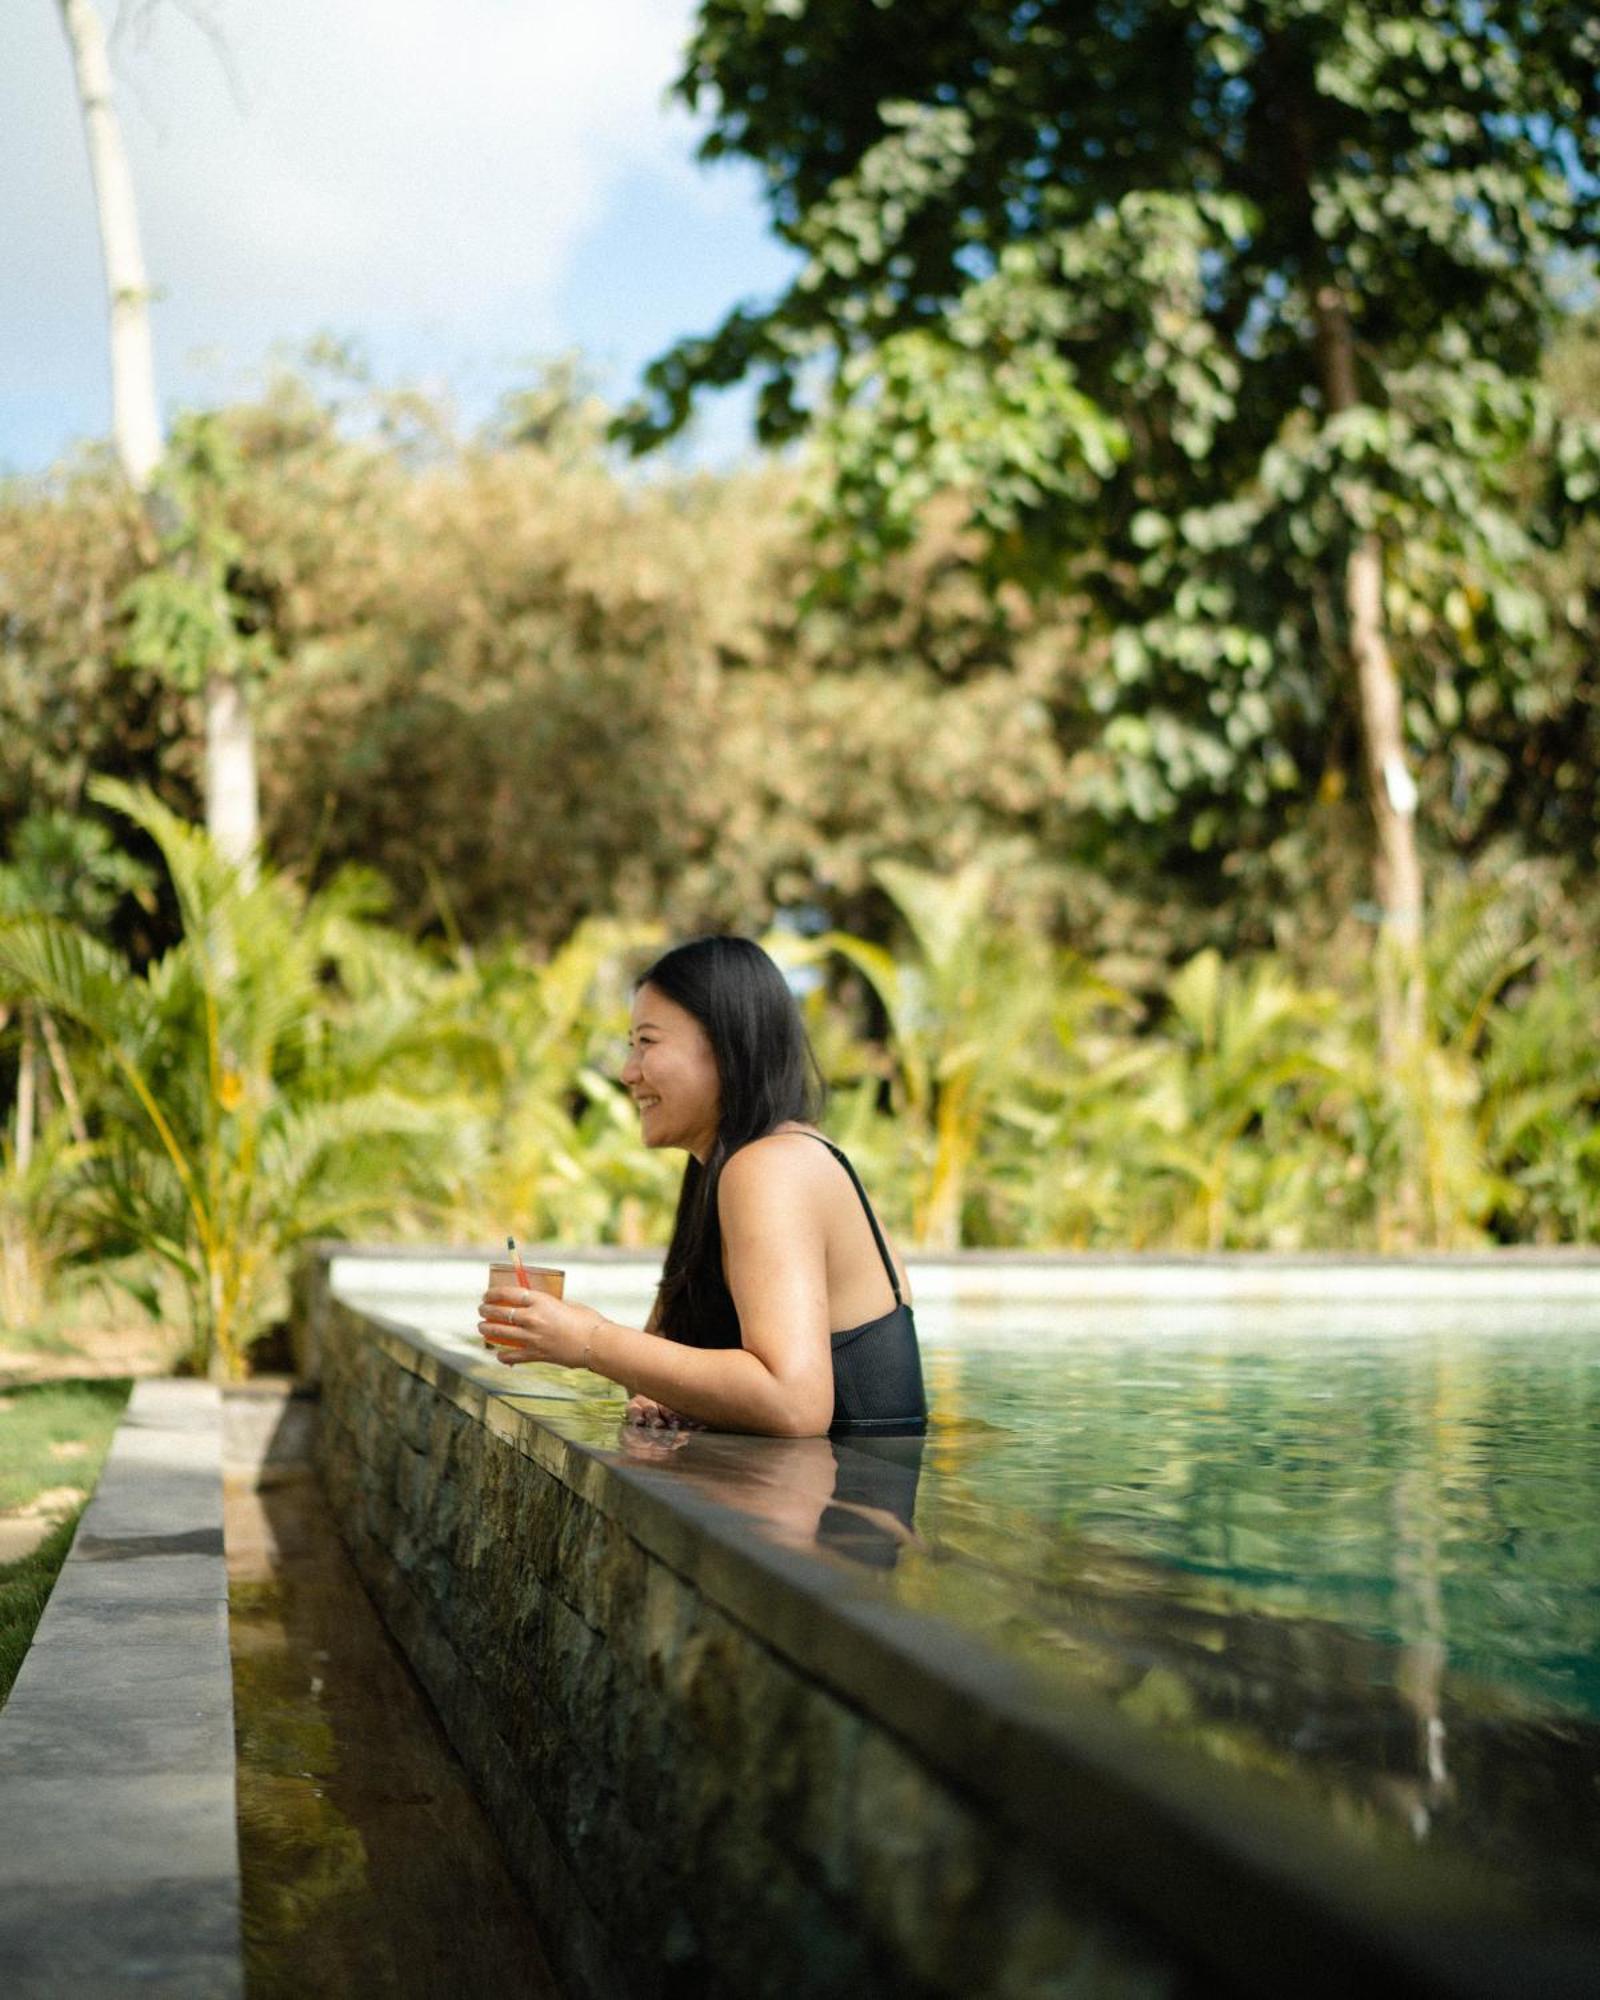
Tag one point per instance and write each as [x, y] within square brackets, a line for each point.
[671, 1075]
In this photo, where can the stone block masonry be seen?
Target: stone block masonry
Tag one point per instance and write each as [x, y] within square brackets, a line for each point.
[119, 1868]
[692, 1805]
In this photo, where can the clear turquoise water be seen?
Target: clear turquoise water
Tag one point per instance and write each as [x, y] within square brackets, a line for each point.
[1355, 1549]
[1419, 1477]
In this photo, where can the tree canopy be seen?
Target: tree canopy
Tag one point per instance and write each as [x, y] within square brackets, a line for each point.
[1189, 300]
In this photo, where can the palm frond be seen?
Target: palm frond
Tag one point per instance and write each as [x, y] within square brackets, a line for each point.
[73, 974]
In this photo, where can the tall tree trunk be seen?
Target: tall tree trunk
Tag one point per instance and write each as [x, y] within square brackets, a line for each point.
[1391, 797]
[231, 785]
[232, 809]
[27, 1078]
[135, 413]
[1390, 790]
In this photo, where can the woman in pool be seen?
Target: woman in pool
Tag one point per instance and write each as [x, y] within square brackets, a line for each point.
[782, 1309]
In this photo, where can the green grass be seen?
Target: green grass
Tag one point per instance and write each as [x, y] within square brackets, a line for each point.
[33, 1419]
[36, 1416]
[25, 1589]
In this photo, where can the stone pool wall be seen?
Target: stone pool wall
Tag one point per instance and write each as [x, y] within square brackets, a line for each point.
[680, 1748]
[725, 1761]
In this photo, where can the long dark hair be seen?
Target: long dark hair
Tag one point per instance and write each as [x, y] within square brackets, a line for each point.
[767, 1075]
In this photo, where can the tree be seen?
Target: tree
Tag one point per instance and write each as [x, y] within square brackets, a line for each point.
[189, 591]
[135, 413]
[1217, 308]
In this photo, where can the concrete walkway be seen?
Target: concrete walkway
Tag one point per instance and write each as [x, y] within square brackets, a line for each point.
[119, 1866]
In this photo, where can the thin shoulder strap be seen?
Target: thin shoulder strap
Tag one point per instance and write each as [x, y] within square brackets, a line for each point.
[877, 1233]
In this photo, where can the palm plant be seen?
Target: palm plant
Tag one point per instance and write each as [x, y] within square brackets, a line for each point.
[1539, 1115]
[1065, 1169]
[246, 1100]
[971, 1013]
[1490, 1124]
[1416, 1124]
[64, 866]
[1523, 1007]
[562, 1159]
[36, 1226]
[1054, 1165]
[1240, 1050]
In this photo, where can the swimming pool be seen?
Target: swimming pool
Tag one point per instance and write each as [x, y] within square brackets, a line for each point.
[1357, 1549]
[1350, 1546]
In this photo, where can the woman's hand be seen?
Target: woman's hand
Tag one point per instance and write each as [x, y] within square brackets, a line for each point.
[522, 1325]
[650, 1443]
[645, 1411]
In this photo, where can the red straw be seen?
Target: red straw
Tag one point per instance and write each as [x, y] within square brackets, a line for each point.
[522, 1270]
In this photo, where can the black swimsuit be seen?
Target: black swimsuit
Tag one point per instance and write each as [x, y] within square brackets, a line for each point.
[877, 1368]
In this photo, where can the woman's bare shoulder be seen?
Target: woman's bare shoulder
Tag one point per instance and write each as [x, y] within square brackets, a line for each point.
[784, 1159]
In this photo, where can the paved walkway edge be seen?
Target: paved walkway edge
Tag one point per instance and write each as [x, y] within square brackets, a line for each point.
[119, 1850]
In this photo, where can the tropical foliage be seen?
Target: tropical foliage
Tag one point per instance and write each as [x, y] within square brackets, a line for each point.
[1199, 404]
[1028, 1100]
[660, 684]
[294, 1067]
[257, 1084]
[1188, 301]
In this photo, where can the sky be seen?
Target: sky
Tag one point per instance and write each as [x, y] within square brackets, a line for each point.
[460, 188]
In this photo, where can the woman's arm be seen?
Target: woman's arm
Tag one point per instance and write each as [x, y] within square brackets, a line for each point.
[651, 1325]
[780, 1382]
[726, 1386]
[776, 1256]
[646, 1410]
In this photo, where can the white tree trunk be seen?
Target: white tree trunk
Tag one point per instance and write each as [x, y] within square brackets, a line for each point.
[1392, 795]
[231, 787]
[1390, 788]
[232, 811]
[26, 1076]
[135, 413]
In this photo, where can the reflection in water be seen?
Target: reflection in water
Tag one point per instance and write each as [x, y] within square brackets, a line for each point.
[854, 1498]
[1364, 1569]
[872, 1515]
[1420, 1490]
[1422, 1652]
[1354, 1550]
[1363, 1560]
[367, 1865]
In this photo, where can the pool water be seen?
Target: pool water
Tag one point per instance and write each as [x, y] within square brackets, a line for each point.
[1354, 1548]
[1420, 1478]
[1357, 1549]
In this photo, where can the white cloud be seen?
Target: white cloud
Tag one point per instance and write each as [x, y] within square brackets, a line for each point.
[416, 172]
[424, 161]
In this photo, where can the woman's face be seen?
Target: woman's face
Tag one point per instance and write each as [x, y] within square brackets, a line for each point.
[671, 1075]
